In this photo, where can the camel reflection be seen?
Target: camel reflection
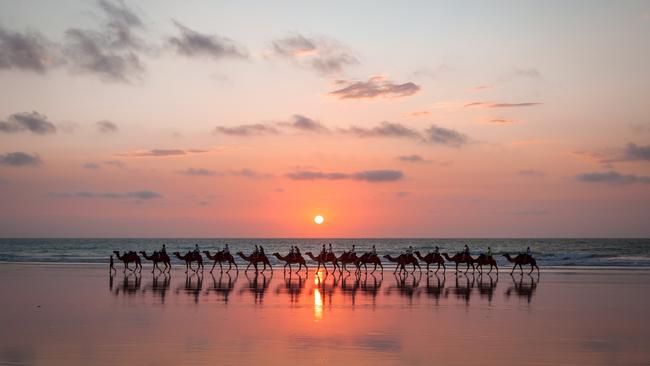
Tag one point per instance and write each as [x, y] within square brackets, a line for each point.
[463, 289]
[326, 288]
[130, 284]
[293, 285]
[435, 290]
[257, 285]
[523, 290]
[350, 285]
[192, 286]
[371, 289]
[159, 286]
[223, 287]
[486, 289]
[406, 284]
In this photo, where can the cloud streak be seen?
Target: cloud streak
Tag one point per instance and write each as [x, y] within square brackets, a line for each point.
[385, 129]
[20, 159]
[254, 129]
[33, 122]
[190, 43]
[162, 152]
[490, 105]
[372, 176]
[324, 55]
[613, 178]
[28, 51]
[106, 127]
[375, 87]
[143, 195]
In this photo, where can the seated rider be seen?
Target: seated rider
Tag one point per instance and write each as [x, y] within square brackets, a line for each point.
[466, 250]
[261, 250]
[291, 251]
[196, 249]
[529, 252]
[297, 252]
[330, 251]
[437, 250]
[163, 250]
[225, 249]
[409, 251]
[323, 251]
[489, 252]
[352, 251]
[373, 251]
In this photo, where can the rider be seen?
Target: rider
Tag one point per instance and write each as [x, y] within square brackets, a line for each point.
[489, 252]
[374, 251]
[297, 251]
[409, 251]
[352, 251]
[261, 250]
[529, 252]
[196, 249]
[437, 250]
[225, 249]
[330, 251]
[256, 250]
[163, 250]
[466, 250]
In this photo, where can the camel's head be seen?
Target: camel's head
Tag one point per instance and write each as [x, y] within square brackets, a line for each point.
[206, 252]
[276, 254]
[116, 252]
[240, 253]
[308, 253]
[387, 256]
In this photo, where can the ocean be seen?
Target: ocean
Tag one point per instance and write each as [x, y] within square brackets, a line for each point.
[548, 252]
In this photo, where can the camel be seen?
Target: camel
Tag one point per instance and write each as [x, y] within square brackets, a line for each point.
[484, 260]
[158, 257]
[254, 259]
[432, 258]
[219, 257]
[292, 258]
[402, 260]
[520, 260]
[127, 258]
[370, 258]
[325, 258]
[461, 258]
[190, 257]
[348, 258]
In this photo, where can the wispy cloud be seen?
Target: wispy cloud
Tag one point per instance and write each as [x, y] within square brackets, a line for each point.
[161, 152]
[375, 87]
[91, 166]
[384, 129]
[373, 176]
[29, 51]
[501, 105]
[254, 129]
[248, 173]
[613, 178]
[479, 88]
[411, 159]
[20, 159]
[530, 72]
[200, 172]
[531, 173]
[143, 195]
[324, 55]
[33, 122]
[445, 136]
[302, 123]
[106, 127]
[112, 52]
[500, 121]
[191, 43]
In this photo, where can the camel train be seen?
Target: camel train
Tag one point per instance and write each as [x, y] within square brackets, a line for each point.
[339, 263]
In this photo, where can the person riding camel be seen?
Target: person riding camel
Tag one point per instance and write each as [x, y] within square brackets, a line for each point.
[437, 250]
[489, 252]
[409, 251]
[225, 249]
[529, 252]
[297, 254]
[352, 251]
[466, 251]
[330, 251]
[163, 250]
[261, 250]
[373, 251]
[323, 250]
[196, 249]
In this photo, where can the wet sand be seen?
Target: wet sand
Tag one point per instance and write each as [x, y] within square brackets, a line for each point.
[77, 315]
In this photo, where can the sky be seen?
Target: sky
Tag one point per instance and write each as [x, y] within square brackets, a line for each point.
[390, 119]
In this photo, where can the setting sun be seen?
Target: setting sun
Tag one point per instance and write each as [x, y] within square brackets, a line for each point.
[319, 219]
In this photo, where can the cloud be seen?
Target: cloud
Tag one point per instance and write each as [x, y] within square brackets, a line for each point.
[111, 53]
[531, 173]
[631, 152]
[529, 73]
[635, 152]
[501, 105]
[324, 55]
[248, 173]
[420, 114]
[375, 87]
[372, 176]
[411, 159]
[91, 166]
[33, 122]
[479, 88]
[445, 136]
[28, 51]
[19, 159]
[106, 127]
[115, 163]
[191, 43]
[143, 195]
[200, 172]
[613, 178]
[303, 123]
[254, 129]
[161, 152]
[385, 129]
[500, 121]
[402, 194]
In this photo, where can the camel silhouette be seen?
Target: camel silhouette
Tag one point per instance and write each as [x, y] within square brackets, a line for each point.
[348, 258]
[219, 257]
[461, 258]
[127, 258]
[402, 260]
[484, 260]
[325, 258]
[190, 257]
[292, 258]
[158, 257]
[221, 287]
[255, 258]
[519, 260]
[370, 258]
[521, 289]
[432, 258]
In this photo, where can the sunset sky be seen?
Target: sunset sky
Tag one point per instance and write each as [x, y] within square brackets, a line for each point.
[390, 119]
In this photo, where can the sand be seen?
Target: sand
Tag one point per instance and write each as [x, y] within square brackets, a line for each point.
[75, 315]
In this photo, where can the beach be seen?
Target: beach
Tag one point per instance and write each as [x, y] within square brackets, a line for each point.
[76, 314]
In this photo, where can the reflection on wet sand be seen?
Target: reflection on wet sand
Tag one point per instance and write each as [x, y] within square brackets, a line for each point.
[325, 286]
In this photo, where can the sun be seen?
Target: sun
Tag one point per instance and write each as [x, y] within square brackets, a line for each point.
[319, 219]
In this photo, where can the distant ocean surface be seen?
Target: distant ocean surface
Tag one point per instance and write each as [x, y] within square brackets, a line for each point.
[548, 252]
